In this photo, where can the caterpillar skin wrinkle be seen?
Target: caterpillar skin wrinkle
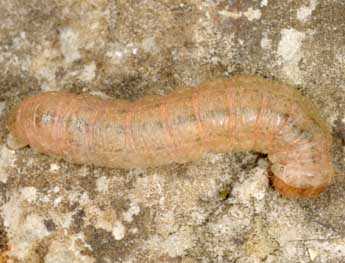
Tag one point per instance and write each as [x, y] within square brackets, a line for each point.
[240, 114]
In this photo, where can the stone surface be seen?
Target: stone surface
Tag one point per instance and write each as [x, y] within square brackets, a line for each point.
[218, 209]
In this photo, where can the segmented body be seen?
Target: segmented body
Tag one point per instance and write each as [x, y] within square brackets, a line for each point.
[240, 114]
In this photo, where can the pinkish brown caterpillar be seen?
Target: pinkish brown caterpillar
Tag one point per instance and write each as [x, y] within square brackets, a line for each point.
[244, 113]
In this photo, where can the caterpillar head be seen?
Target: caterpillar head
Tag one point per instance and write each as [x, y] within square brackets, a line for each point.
[297, 183]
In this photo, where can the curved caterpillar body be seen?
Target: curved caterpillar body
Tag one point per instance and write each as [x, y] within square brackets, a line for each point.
[240, 114]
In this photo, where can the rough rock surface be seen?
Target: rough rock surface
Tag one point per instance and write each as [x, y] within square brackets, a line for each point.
[218, 209]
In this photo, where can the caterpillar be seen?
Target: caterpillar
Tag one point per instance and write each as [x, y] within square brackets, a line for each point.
[238, 114]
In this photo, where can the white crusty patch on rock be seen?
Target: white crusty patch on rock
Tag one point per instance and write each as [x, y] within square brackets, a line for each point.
[118, 54]
[340, 57]
[251, 14]
[88, 73]
[7, 159]
[29, 194]
[45, 66]
[104, 219]
[68, 250]
[290, 53]
[98, 218]
[102, 184]
[264, 3]
[69, 40]
[290, 44]
[54, 167]
[149, 45]
[174, 245]
[133, 210]
[231, 223]
[255, 186]
[24, 228]
[304, 12]
[326, 249]
[119, 230]
[266, 43]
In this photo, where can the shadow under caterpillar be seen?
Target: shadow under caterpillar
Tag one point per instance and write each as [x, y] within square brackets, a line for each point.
[240, 114]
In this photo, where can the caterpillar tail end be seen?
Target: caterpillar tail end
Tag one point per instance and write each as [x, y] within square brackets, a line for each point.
[13, 140]
[291, 191]
[14, 143]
